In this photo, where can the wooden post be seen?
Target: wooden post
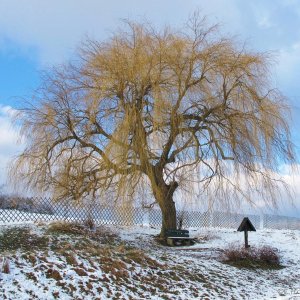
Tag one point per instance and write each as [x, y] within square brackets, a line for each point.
[246, 239]
[246, 226]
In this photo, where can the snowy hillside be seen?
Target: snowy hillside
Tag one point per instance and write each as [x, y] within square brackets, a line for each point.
[69, 262]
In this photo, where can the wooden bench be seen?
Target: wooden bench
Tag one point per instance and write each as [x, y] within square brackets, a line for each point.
[178, 237]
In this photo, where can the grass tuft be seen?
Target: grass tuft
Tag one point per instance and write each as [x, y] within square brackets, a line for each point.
[66, 228]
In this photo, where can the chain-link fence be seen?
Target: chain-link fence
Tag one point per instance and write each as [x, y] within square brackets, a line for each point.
[17, 210]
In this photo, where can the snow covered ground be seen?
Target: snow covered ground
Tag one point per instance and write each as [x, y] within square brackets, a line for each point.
[128, 263]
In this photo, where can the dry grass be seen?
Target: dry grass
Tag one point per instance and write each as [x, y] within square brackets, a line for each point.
[66, 228]
[264, 257]
[71, 259]
[16, 238]
[139, 257]
[100, 234]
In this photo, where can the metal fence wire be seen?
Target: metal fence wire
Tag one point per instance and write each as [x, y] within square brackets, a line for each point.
[18, 210]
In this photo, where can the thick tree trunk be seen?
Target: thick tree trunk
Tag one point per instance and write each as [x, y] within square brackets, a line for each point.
[163, 194]
[168, 210]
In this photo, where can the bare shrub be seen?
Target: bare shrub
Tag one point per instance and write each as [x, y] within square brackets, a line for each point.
[89, 223]
[6, 266]
[269, 255]
[254, 257]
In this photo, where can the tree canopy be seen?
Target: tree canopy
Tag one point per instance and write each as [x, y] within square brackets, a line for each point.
[158, 107]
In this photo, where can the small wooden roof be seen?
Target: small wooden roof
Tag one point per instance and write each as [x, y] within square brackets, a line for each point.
[246, 225]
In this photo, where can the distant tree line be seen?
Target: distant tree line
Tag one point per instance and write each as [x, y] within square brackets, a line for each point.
[28, 204]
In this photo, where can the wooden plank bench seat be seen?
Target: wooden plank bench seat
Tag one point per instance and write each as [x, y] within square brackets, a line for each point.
[178, 237]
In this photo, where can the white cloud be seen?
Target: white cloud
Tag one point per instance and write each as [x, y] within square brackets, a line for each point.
[54, 28]
[289, 60]
[265, 22]
[288, 201]
[9, 140]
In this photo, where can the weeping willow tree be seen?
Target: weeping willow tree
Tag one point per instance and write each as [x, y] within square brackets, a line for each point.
[158, 108]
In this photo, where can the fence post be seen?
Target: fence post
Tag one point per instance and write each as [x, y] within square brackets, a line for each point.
[261, 221]
[146, 217]
[210, 217]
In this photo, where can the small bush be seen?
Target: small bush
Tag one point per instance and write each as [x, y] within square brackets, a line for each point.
[264, 257]
[269, 255]
[89, 223]
[5, 266]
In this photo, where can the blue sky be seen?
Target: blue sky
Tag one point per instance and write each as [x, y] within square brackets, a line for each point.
[36, 34]
[18, 74]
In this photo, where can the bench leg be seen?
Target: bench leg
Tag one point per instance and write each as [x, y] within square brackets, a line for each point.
[170, 242]
[178, 242]
[187, 242]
